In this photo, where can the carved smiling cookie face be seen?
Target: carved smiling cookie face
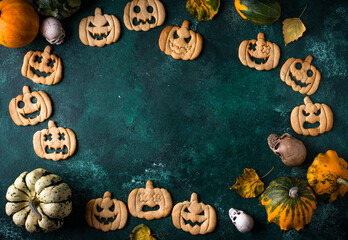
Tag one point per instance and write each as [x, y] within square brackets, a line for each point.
[106, 214]
[30, 108]
[54, 143]
[301, 75]
[180, 42]
[259, 54]
[100, 29]
[142, 15]
[42, 67]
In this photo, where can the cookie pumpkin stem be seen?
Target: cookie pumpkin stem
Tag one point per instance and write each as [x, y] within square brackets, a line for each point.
[307, 100]
[33, 207]
[107, 194]
[26, 90]
[149, 184]
[97, 11]
[51, 124]
[303, 10]
[293, 192]
[185, 24]
[194, 197]
[260, 36]
[47, 50]
[342, 181]
[309, 59]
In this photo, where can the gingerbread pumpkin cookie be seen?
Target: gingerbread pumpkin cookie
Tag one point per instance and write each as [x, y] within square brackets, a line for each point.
[259, 54]
[54, 143]
[202, 216]
[100, 29]
[106, 214]
[150, 197]
[142, 15]
[30, 108]
[180, 42]
[311, 114]
[42, 67]
[301, 75]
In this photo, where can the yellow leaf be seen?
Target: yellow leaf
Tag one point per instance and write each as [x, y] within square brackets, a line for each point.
[293, 29]
[141, 232]
[249, 184]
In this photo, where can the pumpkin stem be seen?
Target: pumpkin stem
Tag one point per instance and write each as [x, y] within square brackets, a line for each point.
[26, 90]
[51, 124]
[194, 197]
[303, 10]
[185, 24]
[107, 194]
[97, 11]
[33, 202]
[342, 181]
[307, 100]
[149, 184]
[293, 192]
[309, 59]
[268, 172]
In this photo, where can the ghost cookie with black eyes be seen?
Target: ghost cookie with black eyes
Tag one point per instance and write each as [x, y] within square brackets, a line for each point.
[99, 29]
[142, 15]
[259, 54]
[54, 143]
[30, 108]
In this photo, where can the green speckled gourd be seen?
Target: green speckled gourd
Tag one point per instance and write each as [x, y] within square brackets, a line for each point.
[203, 10]
[59, 9]
[289, 202]
[258, 11]
[38, 201]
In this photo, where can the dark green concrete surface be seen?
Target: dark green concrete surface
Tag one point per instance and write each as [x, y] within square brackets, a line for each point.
[192, 126]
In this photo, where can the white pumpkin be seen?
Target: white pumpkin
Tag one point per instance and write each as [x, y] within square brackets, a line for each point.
[38, 201]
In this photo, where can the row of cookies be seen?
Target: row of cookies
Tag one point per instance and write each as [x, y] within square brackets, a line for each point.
[300, 75]
[178, 42]
[109, 214]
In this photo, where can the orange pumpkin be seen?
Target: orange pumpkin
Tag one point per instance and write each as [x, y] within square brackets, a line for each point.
[19, 23]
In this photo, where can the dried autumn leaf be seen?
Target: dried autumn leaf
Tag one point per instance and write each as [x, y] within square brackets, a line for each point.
[141, 232]
[203, 10]
[293, 29]
[249, 184]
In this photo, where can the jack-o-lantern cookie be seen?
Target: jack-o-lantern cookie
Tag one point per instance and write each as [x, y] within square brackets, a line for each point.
[202, 216]
[30, 108]
[180, 42]
[259, 54]
[54, 143]
[142, 15]
[310, 114]
[99, 29]
[106, 214]
[42, 67]
[150, 197]
[301, 75]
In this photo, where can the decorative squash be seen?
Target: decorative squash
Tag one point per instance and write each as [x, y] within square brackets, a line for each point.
[328, 176]
[289, 202]
[59, 9]
[19, 23]
[38, 201]
[203, 10]
[259, 12]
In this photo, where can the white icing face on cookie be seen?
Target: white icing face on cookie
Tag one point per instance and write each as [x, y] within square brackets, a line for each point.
[100, 29]
[180, 42]
[142, 15]
[30, 108]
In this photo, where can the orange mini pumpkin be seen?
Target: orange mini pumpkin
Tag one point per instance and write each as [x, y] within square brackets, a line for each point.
[19, 23]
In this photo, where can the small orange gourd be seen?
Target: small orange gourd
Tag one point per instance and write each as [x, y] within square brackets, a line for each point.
[19, 23]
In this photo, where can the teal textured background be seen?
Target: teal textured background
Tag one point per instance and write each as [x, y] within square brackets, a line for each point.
[189, 126]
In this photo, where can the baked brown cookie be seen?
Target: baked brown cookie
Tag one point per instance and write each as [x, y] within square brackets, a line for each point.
[301, 75]
[54, 143]
[99, 29]
[106, 214]
[42, 67]
[30, 108]
[312, 114]
[150, 197]
[202, 216]
[180, 42]
[259, 54]
[142, 15]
